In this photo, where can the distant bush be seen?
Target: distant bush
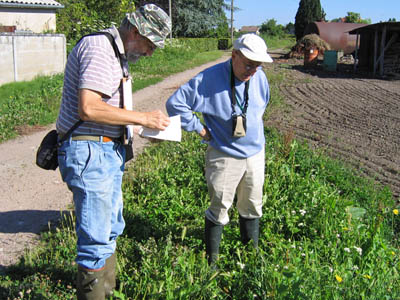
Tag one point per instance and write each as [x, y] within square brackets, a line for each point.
[199, 44]
[223, 44]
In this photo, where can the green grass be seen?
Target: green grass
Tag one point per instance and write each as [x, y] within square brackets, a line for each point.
[322, 223]
[280, 43]
[29, 103]
[326, 233]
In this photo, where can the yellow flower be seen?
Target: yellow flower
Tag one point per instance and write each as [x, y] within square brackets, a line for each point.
[396, 211]
[367, 276]
[393, 253]
[338, 278]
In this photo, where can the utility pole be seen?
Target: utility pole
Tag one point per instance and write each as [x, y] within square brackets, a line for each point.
[232, 22]
[170, 16]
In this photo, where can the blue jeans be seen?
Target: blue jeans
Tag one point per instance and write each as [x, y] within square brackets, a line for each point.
[93, 172]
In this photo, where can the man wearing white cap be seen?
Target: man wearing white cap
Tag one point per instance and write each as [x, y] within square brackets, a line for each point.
[232, 96]
[92, 159]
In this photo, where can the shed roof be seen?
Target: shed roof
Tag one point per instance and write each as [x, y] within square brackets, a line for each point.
[30, 3]
[249, 28]
[389, 26]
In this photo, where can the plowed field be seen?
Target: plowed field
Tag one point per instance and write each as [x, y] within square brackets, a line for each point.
[353, 117]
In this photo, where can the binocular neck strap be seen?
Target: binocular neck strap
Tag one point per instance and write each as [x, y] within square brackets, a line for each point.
[233, 97]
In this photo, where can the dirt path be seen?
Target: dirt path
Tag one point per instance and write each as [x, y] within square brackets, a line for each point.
[31, 198]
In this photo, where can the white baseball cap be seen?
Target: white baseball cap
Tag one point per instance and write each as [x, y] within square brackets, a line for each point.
[253, 47]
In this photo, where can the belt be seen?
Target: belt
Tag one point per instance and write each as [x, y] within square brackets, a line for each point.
[95, 138]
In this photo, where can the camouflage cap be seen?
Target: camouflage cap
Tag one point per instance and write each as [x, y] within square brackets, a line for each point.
[151, 22]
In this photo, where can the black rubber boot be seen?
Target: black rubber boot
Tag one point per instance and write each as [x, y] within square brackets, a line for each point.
[90, 284]
[213, 233]
[109, 275]
[249, 230]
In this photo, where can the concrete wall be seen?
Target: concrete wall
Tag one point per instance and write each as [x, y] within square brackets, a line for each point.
[35, 20]
[24, 56]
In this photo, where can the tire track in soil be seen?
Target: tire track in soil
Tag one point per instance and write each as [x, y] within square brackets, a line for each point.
[355, 120]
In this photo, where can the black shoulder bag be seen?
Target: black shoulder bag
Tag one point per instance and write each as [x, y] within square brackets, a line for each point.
[46, 155]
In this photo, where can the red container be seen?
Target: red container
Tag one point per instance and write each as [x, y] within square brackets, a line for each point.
[310, 56]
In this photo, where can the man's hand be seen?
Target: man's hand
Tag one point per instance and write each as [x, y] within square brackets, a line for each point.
[205, 134]
[156, 120]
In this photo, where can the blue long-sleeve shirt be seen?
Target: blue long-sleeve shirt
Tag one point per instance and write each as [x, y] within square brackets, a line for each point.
[209, 93]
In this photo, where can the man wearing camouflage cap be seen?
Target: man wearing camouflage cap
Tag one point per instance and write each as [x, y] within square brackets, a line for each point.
[92, 159]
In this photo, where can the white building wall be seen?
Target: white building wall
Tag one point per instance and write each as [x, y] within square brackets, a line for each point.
[35, 20]
[24, 56]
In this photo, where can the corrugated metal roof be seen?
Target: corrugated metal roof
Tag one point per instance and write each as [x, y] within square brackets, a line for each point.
[395, 26]
[42, 3]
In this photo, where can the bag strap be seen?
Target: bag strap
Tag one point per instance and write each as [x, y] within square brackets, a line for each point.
[69, 132]
[120, 58]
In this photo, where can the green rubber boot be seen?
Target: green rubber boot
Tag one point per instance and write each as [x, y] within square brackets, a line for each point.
[249, 230]
[213, 233]
[109, 275]
[90, 284]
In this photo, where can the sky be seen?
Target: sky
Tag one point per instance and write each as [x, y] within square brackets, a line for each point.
[256, 12]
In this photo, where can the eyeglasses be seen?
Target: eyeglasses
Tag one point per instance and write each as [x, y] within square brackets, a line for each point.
[247, 64]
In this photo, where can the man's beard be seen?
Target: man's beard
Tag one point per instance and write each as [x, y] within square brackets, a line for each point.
[133, 57]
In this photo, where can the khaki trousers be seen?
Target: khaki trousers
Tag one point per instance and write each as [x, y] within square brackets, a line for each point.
[227, 175]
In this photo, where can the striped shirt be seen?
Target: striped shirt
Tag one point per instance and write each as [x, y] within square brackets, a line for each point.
[92, 64]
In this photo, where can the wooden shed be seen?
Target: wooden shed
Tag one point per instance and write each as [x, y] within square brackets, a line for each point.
[379, 48]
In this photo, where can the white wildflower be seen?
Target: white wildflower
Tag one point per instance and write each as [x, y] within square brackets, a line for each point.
[359, 250]
[303, 212]
[241, 265]
[347, 250]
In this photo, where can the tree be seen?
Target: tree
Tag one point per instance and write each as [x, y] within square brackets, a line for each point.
[352, 17]
[194, 18]
[270, 28]
[309, 11]
[82, 17]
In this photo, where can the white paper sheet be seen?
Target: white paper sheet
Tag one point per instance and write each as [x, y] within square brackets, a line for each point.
[172, 133]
